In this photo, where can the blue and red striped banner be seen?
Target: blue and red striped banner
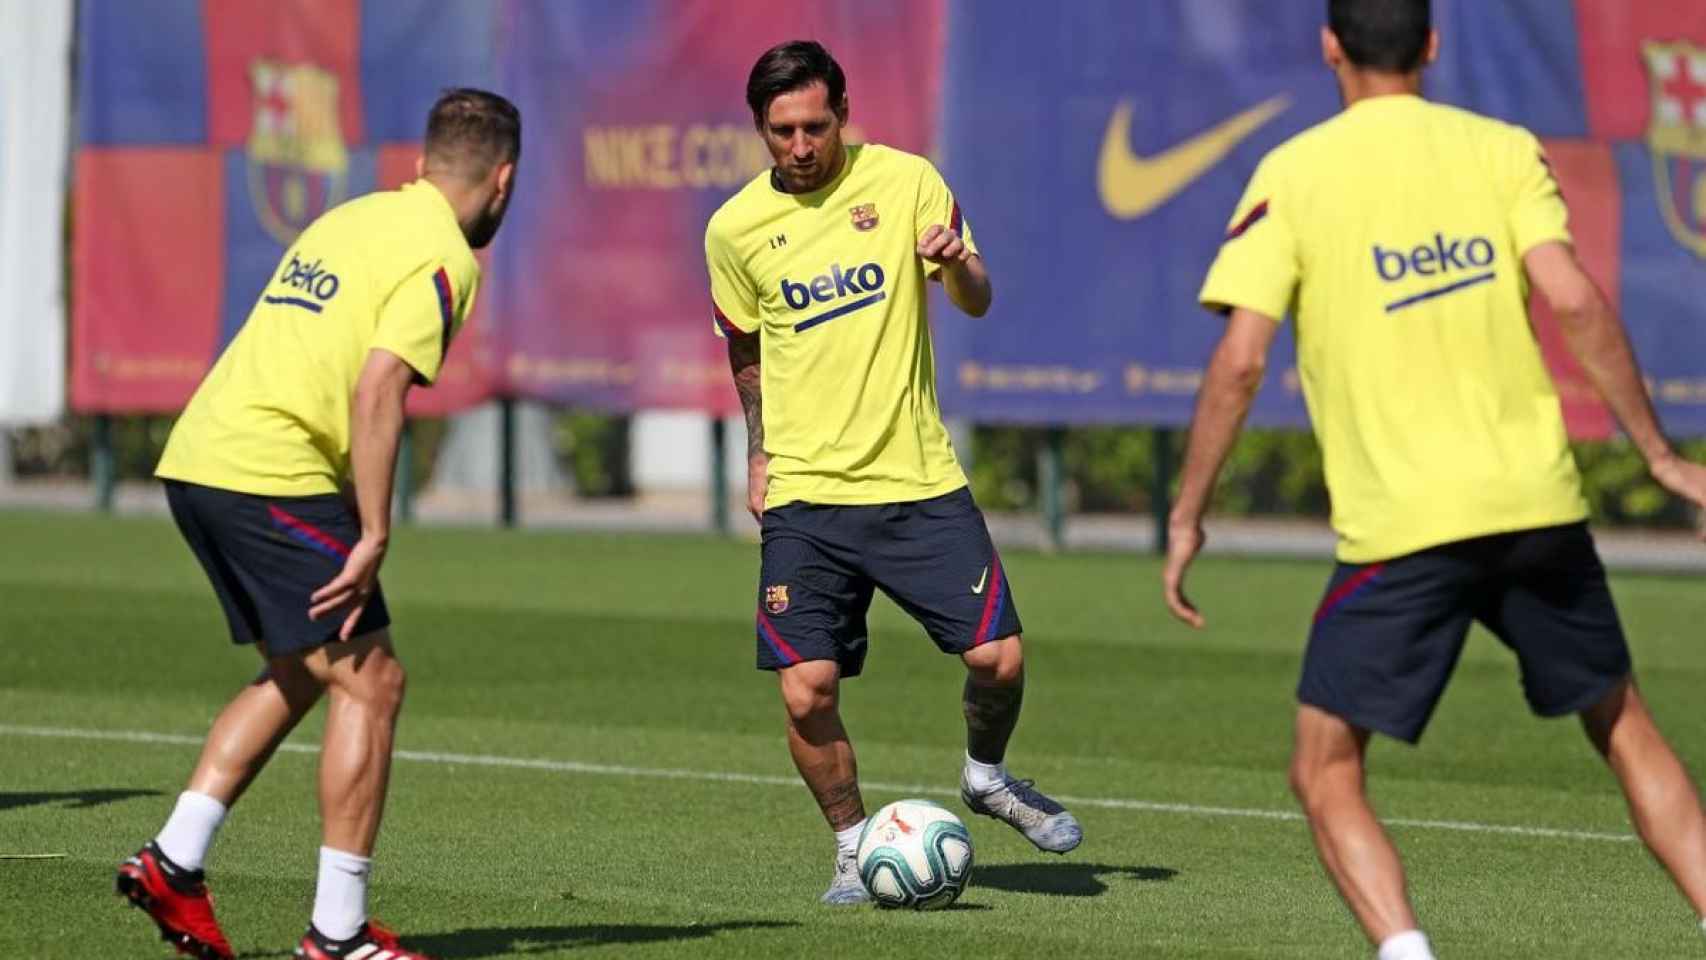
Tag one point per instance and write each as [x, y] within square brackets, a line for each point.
[211, 131]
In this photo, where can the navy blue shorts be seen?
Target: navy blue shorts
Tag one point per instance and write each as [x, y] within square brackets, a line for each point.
[266, 555]
[1387, 635]
[822, 564]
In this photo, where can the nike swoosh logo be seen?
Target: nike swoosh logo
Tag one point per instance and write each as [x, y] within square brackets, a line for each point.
[1132, 186]
[980, 581]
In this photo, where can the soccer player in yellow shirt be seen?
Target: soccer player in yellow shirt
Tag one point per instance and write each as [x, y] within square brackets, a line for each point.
[818, 270]
[305, 403]
[1402, 237]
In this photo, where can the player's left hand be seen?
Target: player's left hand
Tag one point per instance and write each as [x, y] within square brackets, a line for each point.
[1184, 542]
[938, 244]
[1682, 478]
[351, 587]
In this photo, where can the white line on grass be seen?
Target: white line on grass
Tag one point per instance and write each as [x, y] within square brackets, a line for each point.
[718, 776]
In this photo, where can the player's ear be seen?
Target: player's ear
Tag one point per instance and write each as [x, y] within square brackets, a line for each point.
[1433, 49]
[1332, 52]
[420, 166]
[506, 177]
[841, 112]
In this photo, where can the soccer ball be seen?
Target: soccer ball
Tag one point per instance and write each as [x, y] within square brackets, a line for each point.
[916, 854]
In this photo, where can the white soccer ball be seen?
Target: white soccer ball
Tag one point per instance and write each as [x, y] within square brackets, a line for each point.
[916, 854]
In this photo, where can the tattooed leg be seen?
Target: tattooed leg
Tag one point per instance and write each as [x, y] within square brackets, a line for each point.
[995, 688]
[818, 741]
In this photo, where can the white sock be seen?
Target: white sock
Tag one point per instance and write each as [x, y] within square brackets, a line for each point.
[847, 841]
[189, 830]
[1703, 924]
[340, 901]
[1409, 945]
[982, 776]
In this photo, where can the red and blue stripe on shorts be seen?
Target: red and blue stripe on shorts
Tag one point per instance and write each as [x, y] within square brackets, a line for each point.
[994, 605]
[307, 534]
[1353, 585]
[772, 637]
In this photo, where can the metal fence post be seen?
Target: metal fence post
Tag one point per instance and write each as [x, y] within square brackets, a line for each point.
[1051, 477]
[719, 475]
[405, 482]
[507, 512]
[1161, 490]
[103, 463]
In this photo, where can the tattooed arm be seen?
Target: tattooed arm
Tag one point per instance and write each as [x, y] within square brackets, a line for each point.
[743, 362]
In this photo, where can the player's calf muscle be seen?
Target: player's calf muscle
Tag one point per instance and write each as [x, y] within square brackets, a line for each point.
[991, 714]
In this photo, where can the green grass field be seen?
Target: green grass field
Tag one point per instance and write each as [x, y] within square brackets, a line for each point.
[664, 819]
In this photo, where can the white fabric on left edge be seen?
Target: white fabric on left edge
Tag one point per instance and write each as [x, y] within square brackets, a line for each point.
[35, 122]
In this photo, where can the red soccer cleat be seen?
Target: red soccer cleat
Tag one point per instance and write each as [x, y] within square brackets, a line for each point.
[372, 941]
[176, 900]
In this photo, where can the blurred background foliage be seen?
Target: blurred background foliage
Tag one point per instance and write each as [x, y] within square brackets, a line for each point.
[1272, 473]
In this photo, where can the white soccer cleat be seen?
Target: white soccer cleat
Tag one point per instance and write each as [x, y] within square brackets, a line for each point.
[846, 889]
[1026, 809]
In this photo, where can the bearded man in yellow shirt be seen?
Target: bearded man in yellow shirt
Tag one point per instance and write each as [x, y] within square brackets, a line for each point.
[306, 403]
[818, 273]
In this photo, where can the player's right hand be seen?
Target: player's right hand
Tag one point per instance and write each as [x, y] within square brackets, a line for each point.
[757, 485]
[939, 244]
[1184, 542]
[351, 587]
[1682, 478]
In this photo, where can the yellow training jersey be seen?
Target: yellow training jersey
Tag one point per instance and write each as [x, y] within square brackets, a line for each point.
[1394, 233]
[389, 271]
[834, 282]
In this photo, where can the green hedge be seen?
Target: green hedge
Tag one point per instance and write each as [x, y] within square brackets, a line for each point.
[1107, 469]
[1270, 473]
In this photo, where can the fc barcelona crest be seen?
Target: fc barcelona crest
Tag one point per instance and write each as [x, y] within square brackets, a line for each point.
[298, 164]
[1676, 137]
[864, 217]
[776, 599]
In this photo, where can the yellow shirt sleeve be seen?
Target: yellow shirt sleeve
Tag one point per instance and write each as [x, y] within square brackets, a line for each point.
[1538, 213]
[936, 205]
[1257, 265]
[734, 299]
[422, 314]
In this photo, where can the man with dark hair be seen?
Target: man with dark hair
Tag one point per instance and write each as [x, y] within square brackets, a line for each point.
[279, 475]
[818, 270]
[1403, 237]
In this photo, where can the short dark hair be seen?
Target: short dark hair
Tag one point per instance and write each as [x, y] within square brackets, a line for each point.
[1386, 35]
[471, 131]
[791, 66]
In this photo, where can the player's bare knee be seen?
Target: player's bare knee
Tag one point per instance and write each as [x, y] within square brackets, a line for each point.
[388, 685]
[808, 692]
[1601, 718]
[371, 675]
[998, 664]
[806, 704]
[1321, 777]
[1301, 776]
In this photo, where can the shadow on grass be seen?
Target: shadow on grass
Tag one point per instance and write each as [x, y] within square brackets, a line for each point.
[73, 799]
[1062, 879]
[474, 944]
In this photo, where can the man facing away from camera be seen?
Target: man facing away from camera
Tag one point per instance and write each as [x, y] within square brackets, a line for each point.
[306, 403]
[1403, 237]
[818, 276]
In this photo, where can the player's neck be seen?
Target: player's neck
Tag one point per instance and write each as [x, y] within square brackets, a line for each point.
[1355, 86]
[464, 203]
